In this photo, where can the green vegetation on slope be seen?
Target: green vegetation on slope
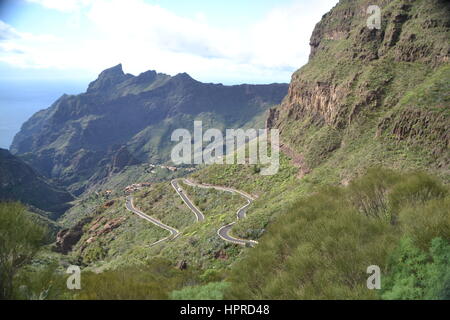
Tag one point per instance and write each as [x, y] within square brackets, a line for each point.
[415, 274]
[153, 280]
[114, 238]
[321, 246]
[372, 97]
[19, 182]
[210, 291]
[273, 192]
[317, 247]
[20, 240]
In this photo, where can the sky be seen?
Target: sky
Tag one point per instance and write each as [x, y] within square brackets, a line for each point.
[230, 42]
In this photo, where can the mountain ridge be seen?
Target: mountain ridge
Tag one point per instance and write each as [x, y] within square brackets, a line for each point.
[75, 139]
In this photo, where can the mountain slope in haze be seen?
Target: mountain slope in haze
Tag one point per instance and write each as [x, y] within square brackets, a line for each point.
[19, 182]
[124, 119]
[370, 97]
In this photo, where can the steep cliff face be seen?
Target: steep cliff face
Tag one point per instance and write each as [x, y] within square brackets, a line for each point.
[379, 95]
[124, 119]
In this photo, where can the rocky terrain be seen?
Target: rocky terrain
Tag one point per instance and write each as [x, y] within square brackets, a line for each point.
[367, 92]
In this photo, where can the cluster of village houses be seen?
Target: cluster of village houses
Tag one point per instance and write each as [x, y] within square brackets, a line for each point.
[136, 186]
[173, 169]
[153, 167]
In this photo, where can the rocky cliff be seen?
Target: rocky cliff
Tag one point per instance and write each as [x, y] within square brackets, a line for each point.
[123, 119]
[373, 96]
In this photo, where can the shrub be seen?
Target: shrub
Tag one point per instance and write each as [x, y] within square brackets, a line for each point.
[320, 248]
[41, 283]
[20, 239]
[415, 189]
[416, 274]
[426, 222]
[210, 291]
[153, 281]
[369, 193]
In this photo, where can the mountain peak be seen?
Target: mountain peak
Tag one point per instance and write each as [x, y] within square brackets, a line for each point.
[116, 70]
[108, 78]
[183, 77]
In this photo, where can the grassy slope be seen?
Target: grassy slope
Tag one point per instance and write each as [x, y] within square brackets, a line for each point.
[321, 246]
[392, 111]
[89, 202]
[129, 243]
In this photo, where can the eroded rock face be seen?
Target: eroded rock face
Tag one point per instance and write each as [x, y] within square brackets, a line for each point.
[108, 79]
[66, 239]
[355, 74]
[318, 100]
[99, 227]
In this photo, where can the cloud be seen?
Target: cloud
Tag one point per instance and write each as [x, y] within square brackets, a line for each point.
[24, 49]
[63, 5]
[282, 38]
[145, 36]
[7, 32]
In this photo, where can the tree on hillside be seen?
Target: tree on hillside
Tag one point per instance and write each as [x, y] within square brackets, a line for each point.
[20, 239]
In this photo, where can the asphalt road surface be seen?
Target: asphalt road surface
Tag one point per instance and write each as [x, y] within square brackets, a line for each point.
[198, 214]
[174, 233]
[223, 232]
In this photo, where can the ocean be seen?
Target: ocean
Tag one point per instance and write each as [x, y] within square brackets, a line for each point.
[20, 99]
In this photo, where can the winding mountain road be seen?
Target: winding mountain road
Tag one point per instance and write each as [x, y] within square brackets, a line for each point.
[198, 214]
[174, 233]
[223, 232]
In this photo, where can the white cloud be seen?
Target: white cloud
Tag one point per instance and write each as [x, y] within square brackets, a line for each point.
[7, 32]
[146, 36]
[63, 5]
[282, 38]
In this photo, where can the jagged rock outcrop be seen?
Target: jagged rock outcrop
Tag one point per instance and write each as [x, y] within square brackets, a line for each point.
[108, 79]
[123, 119]
[86, 232]
[66, 239]
[100, 227]
[386, 87]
